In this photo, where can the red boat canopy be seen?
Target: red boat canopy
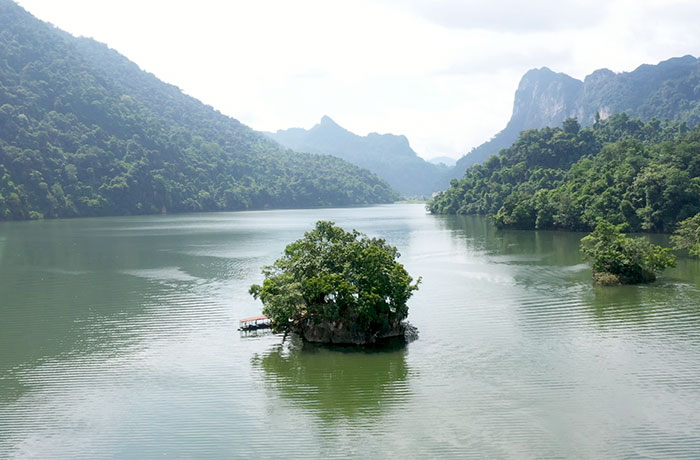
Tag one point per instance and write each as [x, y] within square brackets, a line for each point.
[255, 318]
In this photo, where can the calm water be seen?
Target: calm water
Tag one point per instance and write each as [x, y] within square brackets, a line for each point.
[118, 340]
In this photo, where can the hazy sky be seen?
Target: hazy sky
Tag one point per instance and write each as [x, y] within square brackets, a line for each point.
[442, 72]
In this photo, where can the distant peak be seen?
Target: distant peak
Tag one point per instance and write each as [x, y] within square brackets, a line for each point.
[326, 120]
[539, 71]
[398, 139]
[599, 76]
[545, 73]
[327, 125]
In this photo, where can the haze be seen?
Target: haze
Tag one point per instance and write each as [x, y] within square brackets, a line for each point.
[441, 72]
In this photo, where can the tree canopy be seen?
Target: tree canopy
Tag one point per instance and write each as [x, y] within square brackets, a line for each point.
[687, 235]
[334, 276]
[643, 175]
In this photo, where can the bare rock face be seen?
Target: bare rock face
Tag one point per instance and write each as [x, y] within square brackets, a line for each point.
[339, 332]
[547, 98]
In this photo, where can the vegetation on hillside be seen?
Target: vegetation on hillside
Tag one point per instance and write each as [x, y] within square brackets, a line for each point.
[643, 175]
[85, 132]
[619, 259]
[345, 279]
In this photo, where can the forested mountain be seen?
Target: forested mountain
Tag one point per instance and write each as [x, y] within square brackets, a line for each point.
[387, 155]
[669, 90]
[85, 132]
[644, 175]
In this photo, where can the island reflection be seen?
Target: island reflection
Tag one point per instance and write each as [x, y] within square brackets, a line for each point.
[337, 383]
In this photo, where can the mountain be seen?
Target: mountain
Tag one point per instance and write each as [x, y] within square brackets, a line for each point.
[668, 90]
[387, 155]
[85, 132]
[447, 161]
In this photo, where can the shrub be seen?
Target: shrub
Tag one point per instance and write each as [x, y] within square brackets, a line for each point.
[630, 260]
[687, 235]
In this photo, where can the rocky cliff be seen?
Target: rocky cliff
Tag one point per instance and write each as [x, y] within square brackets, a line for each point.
[670, 89]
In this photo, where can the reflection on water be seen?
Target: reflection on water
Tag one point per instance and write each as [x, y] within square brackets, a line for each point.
[513, 246]
[687, 270]
[337, 384]
[664, 307]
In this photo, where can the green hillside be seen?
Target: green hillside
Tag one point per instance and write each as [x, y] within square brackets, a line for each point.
[85, 132]
[644, 175]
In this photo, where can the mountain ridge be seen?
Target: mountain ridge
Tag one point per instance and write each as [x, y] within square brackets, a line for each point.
[390, 156]
[667, 90]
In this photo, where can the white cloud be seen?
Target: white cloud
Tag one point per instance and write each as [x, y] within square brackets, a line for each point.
[510, 15]
[520, 56]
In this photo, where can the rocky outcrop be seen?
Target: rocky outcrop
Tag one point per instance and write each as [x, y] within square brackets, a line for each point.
[668, 90]
[347, 333]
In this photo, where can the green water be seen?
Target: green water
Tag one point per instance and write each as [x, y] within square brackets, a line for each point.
[118, 340]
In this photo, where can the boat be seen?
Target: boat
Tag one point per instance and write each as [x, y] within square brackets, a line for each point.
[254, 323]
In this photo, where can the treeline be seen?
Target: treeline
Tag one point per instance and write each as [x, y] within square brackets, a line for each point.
[643, 175]
[85, 132]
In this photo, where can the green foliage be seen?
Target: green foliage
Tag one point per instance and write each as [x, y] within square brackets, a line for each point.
[619, 259]
[687, 235]
[85, 132]
[332, 275]
[643, 175]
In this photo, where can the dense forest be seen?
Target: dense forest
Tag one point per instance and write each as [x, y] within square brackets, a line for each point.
[643, 175]
[85, 132]
[387, 155]
[668, 90]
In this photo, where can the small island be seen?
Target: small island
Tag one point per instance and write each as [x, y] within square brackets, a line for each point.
[618, 259]
[337, 287]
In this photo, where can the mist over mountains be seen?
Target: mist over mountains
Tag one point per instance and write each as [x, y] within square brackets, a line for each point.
[387, 155]
[669, 90]
[447, 161]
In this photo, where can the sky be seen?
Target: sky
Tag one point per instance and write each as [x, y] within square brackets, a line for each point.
[441, 72]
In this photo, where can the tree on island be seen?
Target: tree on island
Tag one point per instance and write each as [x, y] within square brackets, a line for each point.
[687, 235]
[619, 259]
[335, 286]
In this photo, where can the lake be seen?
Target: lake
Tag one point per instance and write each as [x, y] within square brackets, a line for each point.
[118, 339]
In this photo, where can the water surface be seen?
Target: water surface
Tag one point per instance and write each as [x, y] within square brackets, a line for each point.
[118, 340]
